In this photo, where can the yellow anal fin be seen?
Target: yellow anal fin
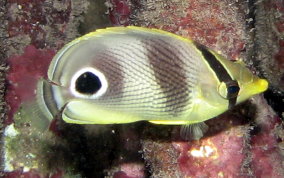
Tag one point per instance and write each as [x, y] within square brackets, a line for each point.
[169, 122]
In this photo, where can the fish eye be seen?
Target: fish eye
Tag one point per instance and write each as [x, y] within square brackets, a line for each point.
[229, 90]
[232, 91]
[88, 83]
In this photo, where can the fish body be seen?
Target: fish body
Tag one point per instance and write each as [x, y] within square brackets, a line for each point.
[129, 74]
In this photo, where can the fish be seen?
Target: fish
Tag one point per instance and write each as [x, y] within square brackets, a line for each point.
[121, 75]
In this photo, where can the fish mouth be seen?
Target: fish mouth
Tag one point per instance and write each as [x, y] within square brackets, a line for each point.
[257, 86]
[262, 85]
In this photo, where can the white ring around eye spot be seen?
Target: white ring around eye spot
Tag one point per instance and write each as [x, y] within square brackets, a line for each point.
[100, 75]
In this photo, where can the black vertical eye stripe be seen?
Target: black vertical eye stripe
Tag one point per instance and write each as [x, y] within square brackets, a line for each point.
[220, 71]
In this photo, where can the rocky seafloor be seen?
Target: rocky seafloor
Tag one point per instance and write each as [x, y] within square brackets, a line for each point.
[244, 142]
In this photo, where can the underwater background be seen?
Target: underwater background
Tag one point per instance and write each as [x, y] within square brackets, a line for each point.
[244, 142]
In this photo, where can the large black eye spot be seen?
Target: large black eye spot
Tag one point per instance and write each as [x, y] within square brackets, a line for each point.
[88, 83]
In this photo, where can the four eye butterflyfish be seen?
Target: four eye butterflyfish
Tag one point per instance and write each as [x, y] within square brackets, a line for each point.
[128, 74]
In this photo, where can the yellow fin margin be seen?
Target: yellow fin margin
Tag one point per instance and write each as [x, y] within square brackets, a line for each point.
[170, 122]
[123, 30]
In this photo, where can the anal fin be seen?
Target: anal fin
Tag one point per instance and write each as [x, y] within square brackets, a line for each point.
[193, 131]
[168, 122]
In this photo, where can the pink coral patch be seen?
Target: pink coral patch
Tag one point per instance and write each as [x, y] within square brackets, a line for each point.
[265, 153]
[24, 72]
[209, 157]
[119, 13]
